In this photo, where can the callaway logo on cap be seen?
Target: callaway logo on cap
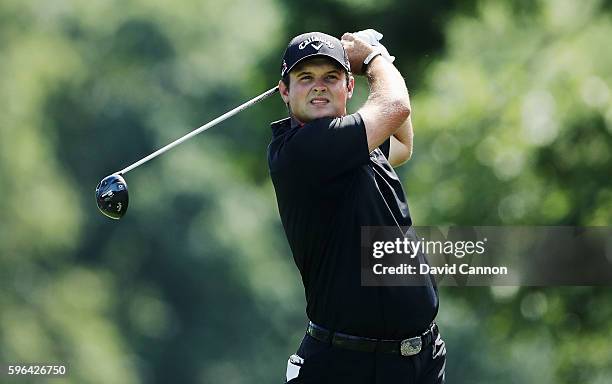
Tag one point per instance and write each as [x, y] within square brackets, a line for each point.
[313, 44]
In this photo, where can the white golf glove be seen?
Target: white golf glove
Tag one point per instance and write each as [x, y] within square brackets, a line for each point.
[373, 37]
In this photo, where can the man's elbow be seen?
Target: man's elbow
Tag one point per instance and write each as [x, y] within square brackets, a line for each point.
[396, 115]
[401, 109]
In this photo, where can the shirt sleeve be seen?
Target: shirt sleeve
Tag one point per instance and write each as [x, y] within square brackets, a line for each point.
[328, 147]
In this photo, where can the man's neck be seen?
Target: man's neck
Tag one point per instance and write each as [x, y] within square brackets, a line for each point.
[295, 122]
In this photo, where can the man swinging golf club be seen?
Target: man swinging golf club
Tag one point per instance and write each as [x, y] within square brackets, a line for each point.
[332, 173]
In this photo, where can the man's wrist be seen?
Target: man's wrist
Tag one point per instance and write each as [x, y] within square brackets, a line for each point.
[376, 55]
[371, 56]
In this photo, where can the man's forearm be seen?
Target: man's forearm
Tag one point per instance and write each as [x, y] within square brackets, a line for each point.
[387, 86]
[377, 87]
[404, 133]
[400, 149]
[388, 105]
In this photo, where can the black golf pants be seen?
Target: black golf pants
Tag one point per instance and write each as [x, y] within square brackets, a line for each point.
[324, 363]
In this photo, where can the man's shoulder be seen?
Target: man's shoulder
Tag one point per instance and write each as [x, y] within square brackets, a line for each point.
[321, 146]
[279, 130]
[285, 122]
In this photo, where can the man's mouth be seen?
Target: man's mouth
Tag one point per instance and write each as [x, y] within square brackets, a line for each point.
[319, 101]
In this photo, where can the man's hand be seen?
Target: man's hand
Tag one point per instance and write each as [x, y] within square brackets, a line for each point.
[357, 50]
[373, 37]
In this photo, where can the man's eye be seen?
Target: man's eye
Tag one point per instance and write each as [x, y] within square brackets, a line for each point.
[332, 77]
[306, 78]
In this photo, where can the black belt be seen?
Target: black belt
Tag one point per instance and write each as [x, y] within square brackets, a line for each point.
[407, 347]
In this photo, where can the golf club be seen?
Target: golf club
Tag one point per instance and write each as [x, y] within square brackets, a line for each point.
[112, 192]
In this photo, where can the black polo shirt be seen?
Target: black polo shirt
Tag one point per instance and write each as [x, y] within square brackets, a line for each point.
[327, 186]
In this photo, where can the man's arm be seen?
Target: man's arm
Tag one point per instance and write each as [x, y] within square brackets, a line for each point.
[401, 144]
[388, 105]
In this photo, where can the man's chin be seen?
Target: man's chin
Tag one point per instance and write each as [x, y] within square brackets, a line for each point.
[317, 114]
[322, 113]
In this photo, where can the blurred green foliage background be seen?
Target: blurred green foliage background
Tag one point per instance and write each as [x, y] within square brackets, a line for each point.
[513, 126]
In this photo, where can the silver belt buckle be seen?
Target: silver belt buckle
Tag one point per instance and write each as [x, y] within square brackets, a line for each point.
[411, 346]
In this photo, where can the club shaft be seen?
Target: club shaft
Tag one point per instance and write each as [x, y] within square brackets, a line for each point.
[191, 134]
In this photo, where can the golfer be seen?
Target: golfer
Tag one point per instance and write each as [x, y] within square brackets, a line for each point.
[333, 173]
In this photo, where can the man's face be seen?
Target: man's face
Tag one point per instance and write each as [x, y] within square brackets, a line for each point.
[317, 88]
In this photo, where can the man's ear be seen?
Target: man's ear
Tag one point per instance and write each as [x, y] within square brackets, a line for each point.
[350, 86]
[284, 91]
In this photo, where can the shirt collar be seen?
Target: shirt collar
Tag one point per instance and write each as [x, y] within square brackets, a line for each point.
[281, 126]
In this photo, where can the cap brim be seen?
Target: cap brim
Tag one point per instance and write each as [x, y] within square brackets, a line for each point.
[315, 55]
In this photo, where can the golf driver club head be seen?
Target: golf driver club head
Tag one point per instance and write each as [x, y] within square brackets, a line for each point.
[112, 196]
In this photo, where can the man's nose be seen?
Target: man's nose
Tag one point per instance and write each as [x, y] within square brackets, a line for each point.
[320, 86]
